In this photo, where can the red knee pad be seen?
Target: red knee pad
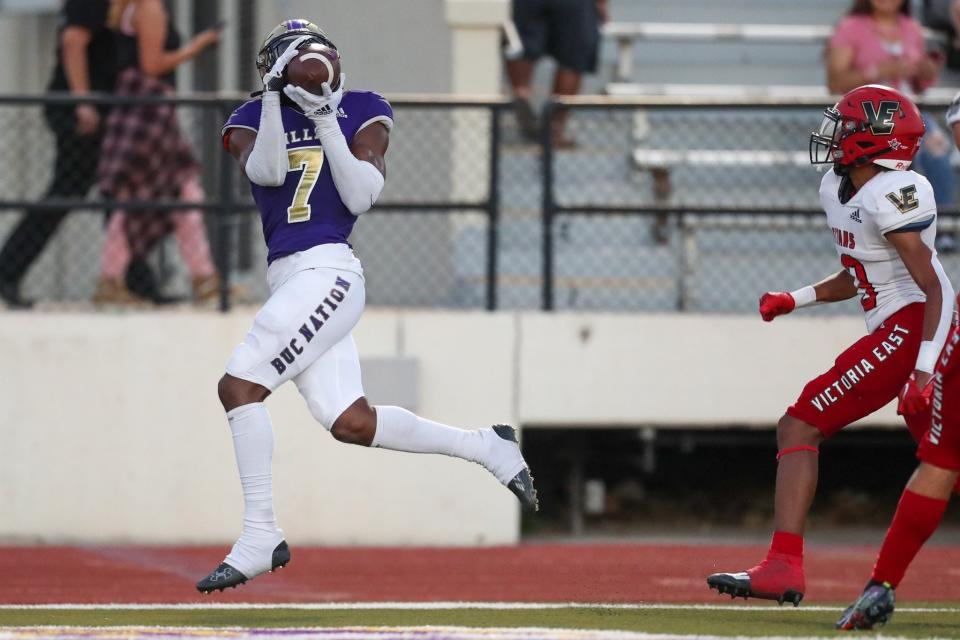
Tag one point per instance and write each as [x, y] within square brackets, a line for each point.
[789, 450]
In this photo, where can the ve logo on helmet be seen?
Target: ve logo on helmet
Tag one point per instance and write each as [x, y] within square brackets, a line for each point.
[880, 120]
[906, 200]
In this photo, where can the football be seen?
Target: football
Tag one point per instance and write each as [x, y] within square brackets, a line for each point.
[315, 65]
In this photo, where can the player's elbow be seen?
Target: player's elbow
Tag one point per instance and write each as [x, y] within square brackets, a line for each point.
[930, 285]
[264, 178]
[359, 184]
[358, 204]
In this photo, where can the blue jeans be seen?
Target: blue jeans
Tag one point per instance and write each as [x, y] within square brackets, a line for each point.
[935, 164]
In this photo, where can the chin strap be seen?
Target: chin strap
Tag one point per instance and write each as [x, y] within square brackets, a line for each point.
[846, 190]
[789, 450]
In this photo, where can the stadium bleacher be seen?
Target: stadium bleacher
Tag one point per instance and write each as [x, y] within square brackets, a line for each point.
[747, 52]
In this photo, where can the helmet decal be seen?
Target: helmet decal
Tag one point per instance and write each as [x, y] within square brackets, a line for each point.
[880, 119]
[906, 200]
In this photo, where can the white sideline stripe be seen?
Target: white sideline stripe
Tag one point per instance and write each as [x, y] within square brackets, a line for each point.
[373, 633]
[426, 606]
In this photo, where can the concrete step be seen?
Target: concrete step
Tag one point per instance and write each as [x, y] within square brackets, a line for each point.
[752, 11]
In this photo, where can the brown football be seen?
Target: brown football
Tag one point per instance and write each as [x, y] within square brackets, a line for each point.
[315, 65]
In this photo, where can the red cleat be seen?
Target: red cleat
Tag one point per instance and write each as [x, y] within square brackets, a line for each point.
[779, 577]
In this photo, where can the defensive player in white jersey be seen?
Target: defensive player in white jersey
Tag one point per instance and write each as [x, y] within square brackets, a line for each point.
[883, 220]
[315, 163]
[924, 499]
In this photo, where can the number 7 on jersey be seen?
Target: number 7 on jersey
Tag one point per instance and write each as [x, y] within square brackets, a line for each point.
[309, 160]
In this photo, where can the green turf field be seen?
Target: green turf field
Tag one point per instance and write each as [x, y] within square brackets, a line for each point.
[915, 621]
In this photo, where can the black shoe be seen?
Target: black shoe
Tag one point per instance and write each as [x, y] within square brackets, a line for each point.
[10, 293]
[737, 585]
[226, 577]
[522, 484]
[874, 606]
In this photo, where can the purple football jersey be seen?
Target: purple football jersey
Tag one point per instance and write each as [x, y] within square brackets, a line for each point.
[306, 210]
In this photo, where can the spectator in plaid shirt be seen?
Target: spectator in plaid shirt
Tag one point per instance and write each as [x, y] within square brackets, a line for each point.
[146, 157]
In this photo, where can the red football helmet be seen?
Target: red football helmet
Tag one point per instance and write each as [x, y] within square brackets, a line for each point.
[872, 123]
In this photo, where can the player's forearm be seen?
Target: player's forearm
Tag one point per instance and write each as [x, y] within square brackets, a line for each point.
[359, 183]
[937, 316]
[836, 288]
[267, 164]
[839, 286]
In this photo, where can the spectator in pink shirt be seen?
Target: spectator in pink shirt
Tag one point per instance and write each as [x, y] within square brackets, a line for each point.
[878, 42]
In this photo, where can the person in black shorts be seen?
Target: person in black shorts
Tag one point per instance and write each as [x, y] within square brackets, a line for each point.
[569, 32]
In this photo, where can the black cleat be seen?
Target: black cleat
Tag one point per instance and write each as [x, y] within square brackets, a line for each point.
[874, 607]
[226, 577]
[221, 578]
[522, 484]
[737, 585]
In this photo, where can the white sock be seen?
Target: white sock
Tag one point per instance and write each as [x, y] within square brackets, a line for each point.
[401, 430]
[253, 445]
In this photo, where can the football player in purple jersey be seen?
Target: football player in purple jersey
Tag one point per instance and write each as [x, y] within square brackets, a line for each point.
[315, 163]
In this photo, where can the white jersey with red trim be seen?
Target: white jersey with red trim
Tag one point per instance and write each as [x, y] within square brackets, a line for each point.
[890, 201]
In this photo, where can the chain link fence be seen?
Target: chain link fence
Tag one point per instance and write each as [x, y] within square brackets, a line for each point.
[659, 205]
[428, 243]
[683, 206]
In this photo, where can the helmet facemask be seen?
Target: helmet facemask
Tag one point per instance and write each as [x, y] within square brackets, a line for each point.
[825, 141]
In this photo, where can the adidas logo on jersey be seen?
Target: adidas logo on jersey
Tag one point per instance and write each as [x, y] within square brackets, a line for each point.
[855, 216]
[341, 113]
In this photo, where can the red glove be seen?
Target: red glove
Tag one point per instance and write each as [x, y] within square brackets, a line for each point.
[776, 303]
[913, 399]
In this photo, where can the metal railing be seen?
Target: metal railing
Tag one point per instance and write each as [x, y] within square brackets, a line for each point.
[690, 204]
[662, 204]
[444, 167]
[627, 34]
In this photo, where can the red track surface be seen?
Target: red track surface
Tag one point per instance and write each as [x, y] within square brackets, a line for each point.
[537, 573]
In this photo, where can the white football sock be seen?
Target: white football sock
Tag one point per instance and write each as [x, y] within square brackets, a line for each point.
[401, 430]
[253, 445]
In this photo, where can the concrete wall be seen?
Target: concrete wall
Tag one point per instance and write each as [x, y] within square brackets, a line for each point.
[673, 370]
[110, 429]
[393, 47]
[400, 46]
